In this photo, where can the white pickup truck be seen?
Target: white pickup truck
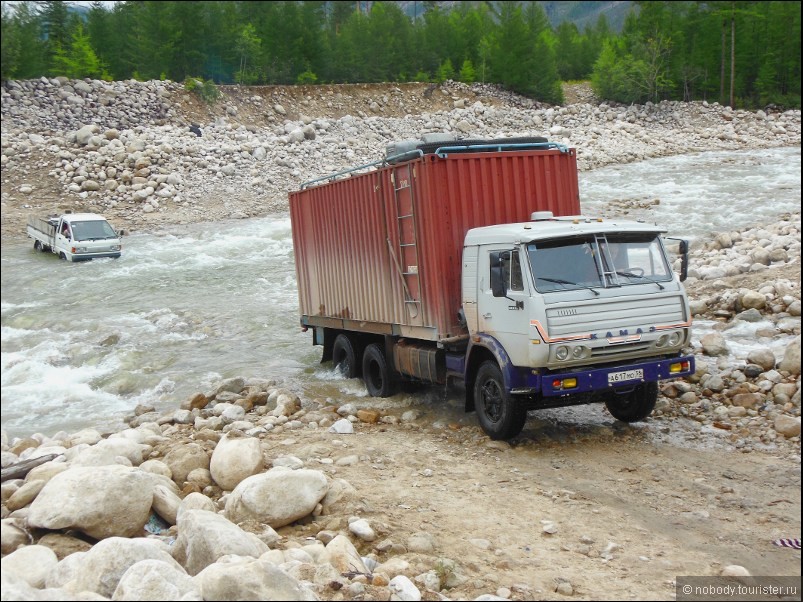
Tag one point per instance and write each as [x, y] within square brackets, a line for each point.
[75, 236]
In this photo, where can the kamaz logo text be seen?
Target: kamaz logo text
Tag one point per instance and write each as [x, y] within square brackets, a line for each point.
[622, 333]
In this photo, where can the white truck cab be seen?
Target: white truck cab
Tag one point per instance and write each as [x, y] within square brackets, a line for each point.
[575, 306]
[76, 236]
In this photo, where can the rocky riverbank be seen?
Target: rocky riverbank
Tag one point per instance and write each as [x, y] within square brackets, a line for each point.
[249, 491]
[127, 150]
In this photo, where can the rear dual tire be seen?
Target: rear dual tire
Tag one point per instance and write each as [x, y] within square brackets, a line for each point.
[377, 373]
[345, 358]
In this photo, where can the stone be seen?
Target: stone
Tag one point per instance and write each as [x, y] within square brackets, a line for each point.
[101, 568]
[342, 555]
[235, 458]
[166, 503]
[182, 459]
[791, 358]
[762, 357]
[277, 497]
[249, 579]
[204, 537]
[362, 529]
[103, 501]
[13, 535]
[31, 563]
[752, 299]
[788, 426]
[403, 589]
[714, 344]
[156, 580]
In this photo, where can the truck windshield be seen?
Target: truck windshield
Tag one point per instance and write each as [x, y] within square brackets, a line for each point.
[94, 230]
[598, 261]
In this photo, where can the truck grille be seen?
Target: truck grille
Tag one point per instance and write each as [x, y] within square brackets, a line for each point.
[615, 316]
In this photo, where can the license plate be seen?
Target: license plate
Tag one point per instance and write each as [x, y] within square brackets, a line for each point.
[618, 377]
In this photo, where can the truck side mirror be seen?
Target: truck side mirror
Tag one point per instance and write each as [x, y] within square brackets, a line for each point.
[683, 251]
[684, 259]
[498, 285]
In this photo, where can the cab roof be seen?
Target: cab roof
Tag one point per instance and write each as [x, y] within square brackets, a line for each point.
[83, 217]
[556, 227]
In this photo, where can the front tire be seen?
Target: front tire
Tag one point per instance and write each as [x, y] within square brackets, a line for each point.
[634, 406]
[37, 245]
[500, 415]
[344, 357]
[376, 372]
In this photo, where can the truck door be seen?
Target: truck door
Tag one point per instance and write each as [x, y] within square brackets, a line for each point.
[64, 230]
[503, 313]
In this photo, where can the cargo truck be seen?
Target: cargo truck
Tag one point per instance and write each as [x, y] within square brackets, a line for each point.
[470, 261]
[75, 236]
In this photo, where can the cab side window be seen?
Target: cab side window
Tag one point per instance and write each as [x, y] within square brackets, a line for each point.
[511, 270]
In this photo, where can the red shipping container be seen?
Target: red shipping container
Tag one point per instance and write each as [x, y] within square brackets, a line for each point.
[381, 251]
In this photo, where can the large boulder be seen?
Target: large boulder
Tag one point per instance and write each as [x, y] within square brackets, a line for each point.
[245, 579]
[102, 501]
[235, 458]
[277, 497]
[204, 537]
[102, 567]
[156, 580]
[31, 564]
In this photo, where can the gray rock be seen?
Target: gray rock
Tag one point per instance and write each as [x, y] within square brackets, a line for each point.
[235, 458]
[244, 579]
[204, 537]
[156, 580]
[102, 502]
[102, 567]
[762, 357]
[714, 344]
[277, 497]
[32, 564]
[791, 358]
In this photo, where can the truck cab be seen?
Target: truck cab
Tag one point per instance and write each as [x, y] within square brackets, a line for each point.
[76, 236]
[569, 309]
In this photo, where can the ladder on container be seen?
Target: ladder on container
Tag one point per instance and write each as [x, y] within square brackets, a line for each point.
[606, 265]
[407, 264]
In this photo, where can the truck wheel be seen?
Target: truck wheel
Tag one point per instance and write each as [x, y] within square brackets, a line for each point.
[376, 372]
[37, 245]
[62, 256]
[344, 358]
[634, 406]
[500, 415]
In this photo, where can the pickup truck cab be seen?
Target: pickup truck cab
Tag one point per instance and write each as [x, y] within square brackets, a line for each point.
[75, 236]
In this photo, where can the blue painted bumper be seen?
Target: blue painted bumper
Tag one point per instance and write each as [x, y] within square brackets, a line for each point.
[598, 379]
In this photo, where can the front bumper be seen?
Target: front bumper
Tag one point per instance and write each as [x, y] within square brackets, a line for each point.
[614, 377]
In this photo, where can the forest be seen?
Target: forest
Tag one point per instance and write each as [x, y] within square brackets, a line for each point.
[742, 54]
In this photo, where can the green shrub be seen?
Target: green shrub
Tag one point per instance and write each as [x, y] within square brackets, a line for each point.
[209, 92]
[307, 77]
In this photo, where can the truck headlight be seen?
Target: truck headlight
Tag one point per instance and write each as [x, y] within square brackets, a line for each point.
[580, 352]
[674, 339]
[562, 353]
[662, 340]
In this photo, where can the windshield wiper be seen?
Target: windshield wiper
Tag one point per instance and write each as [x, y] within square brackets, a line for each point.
[632, 275]
[561, 281]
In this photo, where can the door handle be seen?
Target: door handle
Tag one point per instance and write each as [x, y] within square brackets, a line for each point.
[486, 316]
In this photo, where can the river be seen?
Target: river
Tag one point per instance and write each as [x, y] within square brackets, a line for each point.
[84, 343]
